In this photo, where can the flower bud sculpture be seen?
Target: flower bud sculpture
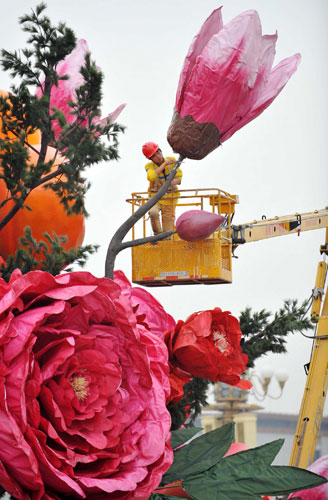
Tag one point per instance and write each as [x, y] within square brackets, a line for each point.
[195, 225]
[226, 81]
[65, 91]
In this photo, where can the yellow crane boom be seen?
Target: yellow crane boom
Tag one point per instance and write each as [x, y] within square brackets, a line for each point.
[310, 415]
[279, 226]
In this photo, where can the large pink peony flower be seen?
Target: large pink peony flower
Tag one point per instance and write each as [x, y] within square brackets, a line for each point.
[65, 91]
[82, 391]
[227, 80]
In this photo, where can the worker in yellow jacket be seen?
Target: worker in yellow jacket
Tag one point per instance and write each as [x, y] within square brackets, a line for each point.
[158, 169]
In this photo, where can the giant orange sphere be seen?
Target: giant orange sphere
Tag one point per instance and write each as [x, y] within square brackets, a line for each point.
[46, 215]
[33, 138]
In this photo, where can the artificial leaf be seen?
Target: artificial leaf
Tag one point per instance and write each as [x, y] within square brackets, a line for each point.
[244, 463]
[200, 454]
[181, 436]
[269, 480]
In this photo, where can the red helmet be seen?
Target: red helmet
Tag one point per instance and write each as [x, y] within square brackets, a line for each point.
[149, 149]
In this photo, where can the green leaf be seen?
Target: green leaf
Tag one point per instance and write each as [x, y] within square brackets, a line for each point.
[244, 463]
[201, 454]
[181, 436]
[214, 484]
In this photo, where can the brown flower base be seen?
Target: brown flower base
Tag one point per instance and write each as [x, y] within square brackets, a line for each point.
[192, 139]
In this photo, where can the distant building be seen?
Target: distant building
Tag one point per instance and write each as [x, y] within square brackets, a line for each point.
[271, 426]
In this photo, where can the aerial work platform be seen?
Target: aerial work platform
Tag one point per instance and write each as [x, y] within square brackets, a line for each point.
[208, 261]
[179, 262]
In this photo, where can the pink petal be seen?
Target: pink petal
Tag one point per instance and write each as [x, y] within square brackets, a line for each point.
[66, 89]
[157, 319]
[11, 486]
[224, 72]
[71, 66]
[235, 448]
[211, 26]
[17, 455]
[320, 467]
[277, 80]
[112, 117]
[57, 480]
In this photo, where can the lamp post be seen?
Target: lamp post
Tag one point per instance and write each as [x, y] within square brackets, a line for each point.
[262, 382]
[231, 400]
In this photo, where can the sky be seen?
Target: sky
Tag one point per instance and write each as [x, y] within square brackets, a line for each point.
[277, 164]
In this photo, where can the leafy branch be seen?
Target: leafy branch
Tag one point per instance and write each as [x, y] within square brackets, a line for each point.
[260, 335]
[48, 255]
[22, 113]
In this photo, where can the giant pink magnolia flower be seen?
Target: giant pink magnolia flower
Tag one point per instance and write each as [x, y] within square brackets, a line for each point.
[227, 80]
[65, 91]
[82, 391]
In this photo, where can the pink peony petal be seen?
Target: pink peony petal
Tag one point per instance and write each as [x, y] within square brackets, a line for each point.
[147, 308]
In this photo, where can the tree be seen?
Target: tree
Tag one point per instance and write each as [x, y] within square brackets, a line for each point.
[80, 142]
[261, 334]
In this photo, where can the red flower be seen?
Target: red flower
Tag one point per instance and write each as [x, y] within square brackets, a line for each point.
[207, 345]
[82, 391]
[178, 378]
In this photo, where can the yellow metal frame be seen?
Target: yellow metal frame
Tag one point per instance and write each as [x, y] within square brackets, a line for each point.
[178, 262]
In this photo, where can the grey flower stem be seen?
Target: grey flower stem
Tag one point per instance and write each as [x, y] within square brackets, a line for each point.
[116, 244]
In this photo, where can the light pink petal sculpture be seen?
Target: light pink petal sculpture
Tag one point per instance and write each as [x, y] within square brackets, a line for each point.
[195, 225]
[320, 467]
[65, 92]
[226, 82]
